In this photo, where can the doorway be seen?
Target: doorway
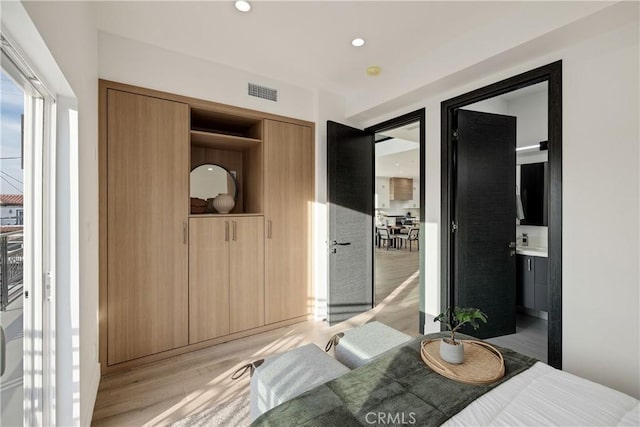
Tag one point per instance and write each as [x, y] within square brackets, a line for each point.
[463, 127]
[397, 218]
[352, 233]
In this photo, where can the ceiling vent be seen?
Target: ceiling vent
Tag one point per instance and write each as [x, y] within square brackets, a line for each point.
[263, 92]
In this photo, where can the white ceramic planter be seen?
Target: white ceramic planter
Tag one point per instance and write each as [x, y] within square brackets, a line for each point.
[223, 203]
[451, 353]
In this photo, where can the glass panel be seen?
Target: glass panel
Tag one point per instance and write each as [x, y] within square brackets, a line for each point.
[24, 185]
[12, 109]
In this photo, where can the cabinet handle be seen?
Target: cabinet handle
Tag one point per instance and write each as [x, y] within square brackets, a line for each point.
[226, 231]
[234, 231]
[185, 233]
[528, 264]
[268, 229]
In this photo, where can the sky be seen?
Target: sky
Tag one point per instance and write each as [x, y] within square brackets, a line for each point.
[11, 107]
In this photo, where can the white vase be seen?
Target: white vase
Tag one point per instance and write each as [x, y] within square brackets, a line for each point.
[223, 203]
[452, 353]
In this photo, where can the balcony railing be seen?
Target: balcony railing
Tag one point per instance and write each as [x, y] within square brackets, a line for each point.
[11, 267]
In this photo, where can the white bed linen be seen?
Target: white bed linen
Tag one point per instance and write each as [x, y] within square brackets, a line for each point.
[545, 396]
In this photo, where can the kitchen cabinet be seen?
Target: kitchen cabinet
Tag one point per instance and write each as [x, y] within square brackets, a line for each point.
[400, 188]
[532, 282]
[382, 193]
[414, 203]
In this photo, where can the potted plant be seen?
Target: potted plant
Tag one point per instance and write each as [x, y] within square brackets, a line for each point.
[452, 351]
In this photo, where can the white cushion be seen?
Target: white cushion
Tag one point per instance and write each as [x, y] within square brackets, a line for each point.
[360, 345]
[284, 376]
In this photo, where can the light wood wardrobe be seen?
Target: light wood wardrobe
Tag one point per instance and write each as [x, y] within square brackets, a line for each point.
[172, 281]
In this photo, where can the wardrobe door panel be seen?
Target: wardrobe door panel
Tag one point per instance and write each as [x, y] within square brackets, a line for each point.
[289, 195]
[208, 278]
[246, 265]
[147, 201]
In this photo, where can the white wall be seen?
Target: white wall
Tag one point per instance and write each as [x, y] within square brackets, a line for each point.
[140, 64]
[600, 185]
[532, 113]
[68, 29]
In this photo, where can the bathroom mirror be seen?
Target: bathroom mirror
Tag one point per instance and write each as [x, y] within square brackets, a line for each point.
[209, 180]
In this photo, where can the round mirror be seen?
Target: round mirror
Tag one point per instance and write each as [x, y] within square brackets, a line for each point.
[207, 181]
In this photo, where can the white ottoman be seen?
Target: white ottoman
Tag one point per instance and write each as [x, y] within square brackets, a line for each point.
[358, 346]
[284, 376]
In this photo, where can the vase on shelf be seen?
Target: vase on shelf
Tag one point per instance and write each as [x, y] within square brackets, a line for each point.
[223, 203]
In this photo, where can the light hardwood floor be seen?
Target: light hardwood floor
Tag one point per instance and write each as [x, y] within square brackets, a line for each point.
[170, 390]
[393, 267]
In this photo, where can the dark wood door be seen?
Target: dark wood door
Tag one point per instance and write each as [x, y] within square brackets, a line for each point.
[484, 264]
[350, 159]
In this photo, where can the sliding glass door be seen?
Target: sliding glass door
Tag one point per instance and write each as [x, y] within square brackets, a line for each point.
[26, 255]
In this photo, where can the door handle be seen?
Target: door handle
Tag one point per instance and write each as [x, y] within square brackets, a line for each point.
[185, 233]
[226, 231]
[336, 243]
[512, 248]
[528, 264]
[234, 231]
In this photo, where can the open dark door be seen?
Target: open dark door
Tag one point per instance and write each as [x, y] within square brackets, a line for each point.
[350, 160]
[484, 262]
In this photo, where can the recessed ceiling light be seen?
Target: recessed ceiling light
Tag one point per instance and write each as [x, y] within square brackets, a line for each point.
[397, 164]
[358, 42]
[374, 70]
[243, 5]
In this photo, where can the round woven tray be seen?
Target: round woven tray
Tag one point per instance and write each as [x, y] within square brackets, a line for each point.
[483, 363]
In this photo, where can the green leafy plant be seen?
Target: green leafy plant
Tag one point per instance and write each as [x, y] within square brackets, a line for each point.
[460, 317]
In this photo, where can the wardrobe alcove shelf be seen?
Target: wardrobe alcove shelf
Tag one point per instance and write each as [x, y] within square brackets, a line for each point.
[171, 281]
[222, 141]
[218, 215]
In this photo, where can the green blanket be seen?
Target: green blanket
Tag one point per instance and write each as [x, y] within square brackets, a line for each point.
[395, 389]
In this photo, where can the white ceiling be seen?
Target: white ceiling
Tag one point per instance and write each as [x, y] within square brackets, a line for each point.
[404, 164]
[399, 156]
[307, 43]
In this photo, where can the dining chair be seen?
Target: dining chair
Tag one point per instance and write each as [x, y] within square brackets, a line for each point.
[383, 234]
[410, 237]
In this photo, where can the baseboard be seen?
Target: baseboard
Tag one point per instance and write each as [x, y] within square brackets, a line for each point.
[89, 401]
